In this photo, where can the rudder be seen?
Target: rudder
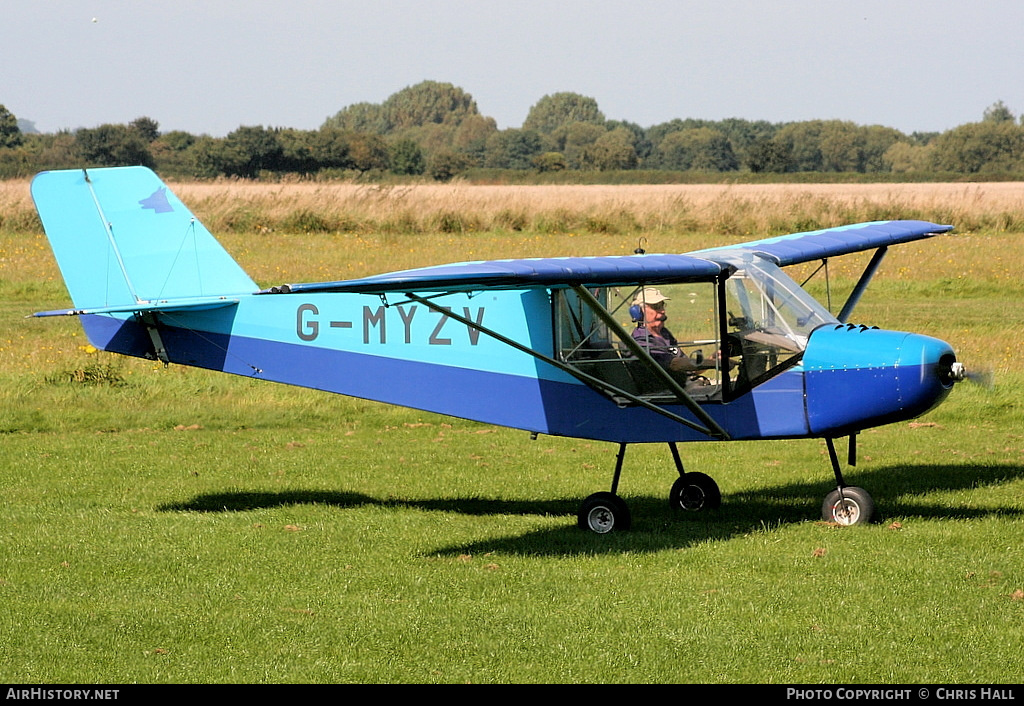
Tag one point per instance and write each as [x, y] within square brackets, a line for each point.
[121, 237]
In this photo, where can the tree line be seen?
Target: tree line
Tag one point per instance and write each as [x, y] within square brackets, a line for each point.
[435, 130]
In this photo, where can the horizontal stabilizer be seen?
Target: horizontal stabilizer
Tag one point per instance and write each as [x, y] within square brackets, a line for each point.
[163, 305]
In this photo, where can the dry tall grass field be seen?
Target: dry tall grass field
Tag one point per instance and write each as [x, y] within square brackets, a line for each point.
[725, 209]
[644, 198]
[729, 210]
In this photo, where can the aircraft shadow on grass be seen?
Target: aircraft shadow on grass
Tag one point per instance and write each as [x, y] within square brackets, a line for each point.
[739, 514]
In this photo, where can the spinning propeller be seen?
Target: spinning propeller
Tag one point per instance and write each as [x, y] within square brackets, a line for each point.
[956, 372]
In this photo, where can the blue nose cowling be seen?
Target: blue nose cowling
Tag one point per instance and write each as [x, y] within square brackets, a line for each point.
[857, 377]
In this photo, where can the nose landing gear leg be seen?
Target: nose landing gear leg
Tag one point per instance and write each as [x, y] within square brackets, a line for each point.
[846, 505]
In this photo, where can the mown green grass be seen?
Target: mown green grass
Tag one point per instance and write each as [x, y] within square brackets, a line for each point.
[174, 525]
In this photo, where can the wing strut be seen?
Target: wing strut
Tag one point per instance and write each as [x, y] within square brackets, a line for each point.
[713, 429]
[862, 283]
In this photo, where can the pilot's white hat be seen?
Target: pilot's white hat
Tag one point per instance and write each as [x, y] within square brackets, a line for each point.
[649, 295]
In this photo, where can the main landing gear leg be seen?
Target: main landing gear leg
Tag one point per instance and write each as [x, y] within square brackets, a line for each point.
[692, 492]
[846, 505]
[606, 512]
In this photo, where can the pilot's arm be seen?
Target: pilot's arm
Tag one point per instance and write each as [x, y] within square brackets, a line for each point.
[683, 363]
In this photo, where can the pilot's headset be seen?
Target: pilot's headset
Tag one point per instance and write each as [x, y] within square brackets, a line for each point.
[636, 313]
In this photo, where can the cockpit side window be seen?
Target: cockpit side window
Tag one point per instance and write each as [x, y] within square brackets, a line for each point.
[676, 324]
[709, 341]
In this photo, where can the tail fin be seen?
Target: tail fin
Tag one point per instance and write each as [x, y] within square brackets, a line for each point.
[122, 238]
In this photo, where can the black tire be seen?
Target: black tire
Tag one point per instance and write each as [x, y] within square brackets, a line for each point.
[854, 508]
[603, 513]
[693, 492]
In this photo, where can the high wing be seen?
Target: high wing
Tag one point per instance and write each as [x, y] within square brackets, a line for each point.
[699, 265]
[524, 274]
[795, 248]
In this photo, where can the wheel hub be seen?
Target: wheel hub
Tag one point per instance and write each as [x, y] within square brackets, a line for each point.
[846, 512]
[692, 498]
[601, 520]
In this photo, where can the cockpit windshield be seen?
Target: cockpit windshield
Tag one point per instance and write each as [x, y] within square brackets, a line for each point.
[769, 318]
[772, 299]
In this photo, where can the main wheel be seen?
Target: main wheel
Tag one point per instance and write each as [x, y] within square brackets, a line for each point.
[603, 513]
[693, 492]
[853, 507]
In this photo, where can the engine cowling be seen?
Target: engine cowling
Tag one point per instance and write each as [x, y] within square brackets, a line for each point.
[856, 377]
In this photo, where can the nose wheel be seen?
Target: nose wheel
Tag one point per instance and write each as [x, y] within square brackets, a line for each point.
[848, 506]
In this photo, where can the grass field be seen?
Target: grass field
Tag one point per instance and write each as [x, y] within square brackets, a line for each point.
[170, 525]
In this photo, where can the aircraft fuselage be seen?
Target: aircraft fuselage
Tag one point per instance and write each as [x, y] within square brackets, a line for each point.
[416, 356]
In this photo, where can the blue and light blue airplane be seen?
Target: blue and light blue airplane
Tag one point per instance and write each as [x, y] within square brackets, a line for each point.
[575, 346]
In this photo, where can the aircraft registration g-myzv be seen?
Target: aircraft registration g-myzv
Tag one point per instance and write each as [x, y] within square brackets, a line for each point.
[573, 346]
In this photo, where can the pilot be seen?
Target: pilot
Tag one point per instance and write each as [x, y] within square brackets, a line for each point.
[648, 311]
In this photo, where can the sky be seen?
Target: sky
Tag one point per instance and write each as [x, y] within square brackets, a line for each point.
[211, 66]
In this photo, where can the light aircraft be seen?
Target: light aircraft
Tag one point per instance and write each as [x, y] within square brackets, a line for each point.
[553, 346]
